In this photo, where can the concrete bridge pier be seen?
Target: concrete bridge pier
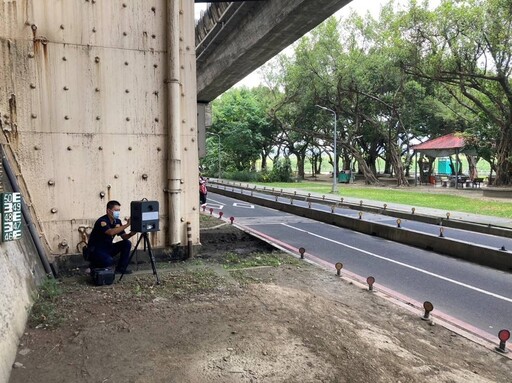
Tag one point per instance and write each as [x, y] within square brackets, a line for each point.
[97, 102]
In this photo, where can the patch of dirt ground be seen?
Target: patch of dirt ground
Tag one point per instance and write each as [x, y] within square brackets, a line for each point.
[241, 316]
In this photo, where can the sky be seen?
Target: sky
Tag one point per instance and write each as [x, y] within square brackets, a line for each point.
[359, 6]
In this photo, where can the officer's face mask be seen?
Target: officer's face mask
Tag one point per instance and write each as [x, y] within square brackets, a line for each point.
[116, 214]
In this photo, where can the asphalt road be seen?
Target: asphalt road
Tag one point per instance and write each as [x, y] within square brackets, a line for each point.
[461, 235]
[477, 295]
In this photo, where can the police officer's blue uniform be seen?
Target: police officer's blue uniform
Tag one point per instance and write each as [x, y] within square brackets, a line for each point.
[102, 249]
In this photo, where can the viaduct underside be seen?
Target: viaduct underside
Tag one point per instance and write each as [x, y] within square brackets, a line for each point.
[233, 39]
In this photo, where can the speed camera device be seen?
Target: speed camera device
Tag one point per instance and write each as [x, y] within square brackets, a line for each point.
[144, 216]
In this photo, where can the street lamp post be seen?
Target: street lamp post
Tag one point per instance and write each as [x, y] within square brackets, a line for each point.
[334, 176]
[218, 135]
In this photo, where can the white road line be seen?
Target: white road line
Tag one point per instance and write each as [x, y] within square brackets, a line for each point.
[405, 265]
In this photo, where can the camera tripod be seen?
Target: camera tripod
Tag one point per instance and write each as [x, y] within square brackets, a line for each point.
[147, 245]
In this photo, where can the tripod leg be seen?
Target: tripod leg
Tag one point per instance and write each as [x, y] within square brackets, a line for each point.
[151, 257]
[131, 256]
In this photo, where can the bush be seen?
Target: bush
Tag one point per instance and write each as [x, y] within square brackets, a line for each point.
[242, 176]
[281, 171]
[265, 176]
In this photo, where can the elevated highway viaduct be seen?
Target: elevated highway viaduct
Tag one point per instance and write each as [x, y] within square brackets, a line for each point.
[233, 39]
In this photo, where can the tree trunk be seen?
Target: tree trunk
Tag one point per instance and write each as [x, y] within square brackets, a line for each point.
[369, 176]
[346, 161]
[473, 172]
[263, 161]
[408, 164]
[318, 169]
[388, 162]
[398, 167]
[425, 166]
[312, 162]
[503, 162]
[300, 165]
[452, 167]
[371, 161]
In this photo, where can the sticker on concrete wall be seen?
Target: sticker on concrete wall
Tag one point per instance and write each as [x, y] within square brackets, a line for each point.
[11, 216]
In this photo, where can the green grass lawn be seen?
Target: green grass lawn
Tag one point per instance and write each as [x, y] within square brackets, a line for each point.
[444, 201]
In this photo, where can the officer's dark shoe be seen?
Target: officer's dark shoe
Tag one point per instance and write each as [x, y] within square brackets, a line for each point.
[126, 271]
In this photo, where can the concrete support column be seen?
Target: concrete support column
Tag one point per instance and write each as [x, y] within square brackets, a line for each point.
[189, 121]
[182, 163]
[173, 118]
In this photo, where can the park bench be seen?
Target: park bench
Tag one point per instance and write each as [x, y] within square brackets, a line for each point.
[477, 182]
[445, 181]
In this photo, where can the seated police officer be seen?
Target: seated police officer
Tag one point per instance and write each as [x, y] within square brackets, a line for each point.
[101, 247]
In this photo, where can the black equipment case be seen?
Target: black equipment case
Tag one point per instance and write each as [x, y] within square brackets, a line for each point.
[104, 276]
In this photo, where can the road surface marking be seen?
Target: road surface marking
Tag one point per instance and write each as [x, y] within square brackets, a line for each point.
[214, 206]
[405, 265]
[243, 205]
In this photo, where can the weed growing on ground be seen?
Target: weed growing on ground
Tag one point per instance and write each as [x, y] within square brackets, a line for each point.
[197, 281]
[243, 278]
[207, 221]
[275, 259]
[196, 262]
[175, 284]
[44, 312]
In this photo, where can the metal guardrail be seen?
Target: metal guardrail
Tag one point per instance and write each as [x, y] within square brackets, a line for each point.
[480, 254]
[212, 23]
[446, 221]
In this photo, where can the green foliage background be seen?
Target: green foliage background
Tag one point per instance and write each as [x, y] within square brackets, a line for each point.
[410, 74]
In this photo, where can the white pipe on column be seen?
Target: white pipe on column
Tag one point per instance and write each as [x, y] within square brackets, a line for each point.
[173, 120]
